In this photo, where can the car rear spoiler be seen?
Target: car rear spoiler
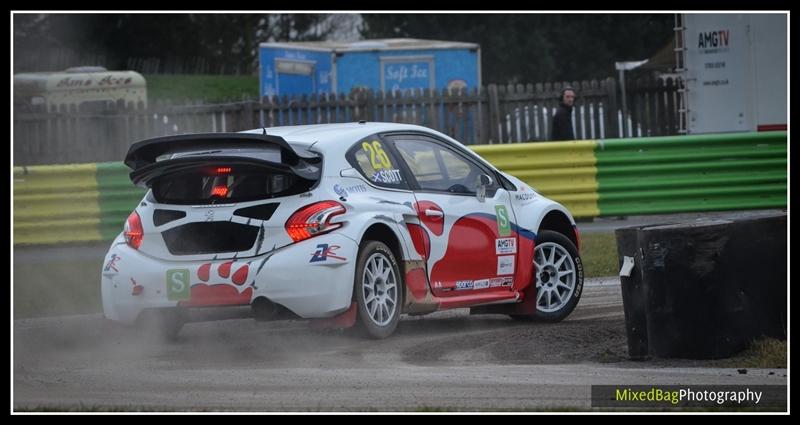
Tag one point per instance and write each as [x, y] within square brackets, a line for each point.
[143, 156]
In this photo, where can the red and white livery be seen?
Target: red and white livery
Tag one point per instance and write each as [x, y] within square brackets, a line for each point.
[351, 223]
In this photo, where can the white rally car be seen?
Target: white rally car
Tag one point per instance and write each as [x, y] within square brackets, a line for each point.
[351, 223]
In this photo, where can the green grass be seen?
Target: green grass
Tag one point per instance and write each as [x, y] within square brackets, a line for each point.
[599, 254]
[206, 88]
[764, 352]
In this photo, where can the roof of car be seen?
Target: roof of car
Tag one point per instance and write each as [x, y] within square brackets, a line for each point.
[327, 135]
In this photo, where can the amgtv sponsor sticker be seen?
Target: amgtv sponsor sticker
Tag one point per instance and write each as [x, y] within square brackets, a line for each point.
[506, 246]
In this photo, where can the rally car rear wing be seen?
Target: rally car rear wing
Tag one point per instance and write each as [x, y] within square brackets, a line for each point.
[159, 156]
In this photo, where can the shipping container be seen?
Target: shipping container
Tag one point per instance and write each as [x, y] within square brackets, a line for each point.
[401, 64]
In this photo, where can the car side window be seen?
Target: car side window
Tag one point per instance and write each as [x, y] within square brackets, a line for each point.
[438, 168]
[377, 163]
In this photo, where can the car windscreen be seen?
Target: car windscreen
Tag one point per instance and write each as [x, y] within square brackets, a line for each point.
[221, 184]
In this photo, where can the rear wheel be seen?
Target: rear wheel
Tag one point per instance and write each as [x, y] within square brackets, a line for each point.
[559, 277]
[378, 290]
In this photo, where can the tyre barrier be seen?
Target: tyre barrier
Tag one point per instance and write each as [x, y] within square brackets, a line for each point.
[705, 289]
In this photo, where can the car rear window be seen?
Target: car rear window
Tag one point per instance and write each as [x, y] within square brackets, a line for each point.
[377, 163]
[224, 185]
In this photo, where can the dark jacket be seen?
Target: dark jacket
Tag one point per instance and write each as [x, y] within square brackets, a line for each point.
[562, 124]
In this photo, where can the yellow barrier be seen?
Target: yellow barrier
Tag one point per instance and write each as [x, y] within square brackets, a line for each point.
[57, 231]
[57, 203]
[563, 171]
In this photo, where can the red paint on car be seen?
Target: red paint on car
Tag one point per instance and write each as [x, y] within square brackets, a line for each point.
[225, 269]
[463, 260]
[204, 271]
[434, 224]
[417, 283]
[420, 238]
[240, 276]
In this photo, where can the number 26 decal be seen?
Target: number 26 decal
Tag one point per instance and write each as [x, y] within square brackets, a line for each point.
[377, 156]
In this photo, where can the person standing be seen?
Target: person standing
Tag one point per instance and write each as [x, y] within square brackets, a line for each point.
[562, 121]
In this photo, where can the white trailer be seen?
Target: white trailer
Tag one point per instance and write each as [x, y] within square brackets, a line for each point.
[80, 86]
[734, 67]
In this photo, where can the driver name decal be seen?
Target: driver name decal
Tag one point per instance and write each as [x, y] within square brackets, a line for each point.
[387, 176]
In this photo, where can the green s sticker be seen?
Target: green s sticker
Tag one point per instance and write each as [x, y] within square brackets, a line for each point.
[177, 284]
[503, 225]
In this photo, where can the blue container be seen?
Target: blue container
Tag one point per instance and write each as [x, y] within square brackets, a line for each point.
[385, 65]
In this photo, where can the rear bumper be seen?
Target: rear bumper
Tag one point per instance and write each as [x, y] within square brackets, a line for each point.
[312, 278]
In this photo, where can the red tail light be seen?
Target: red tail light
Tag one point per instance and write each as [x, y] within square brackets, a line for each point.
[220, 191]
[313, 220]
[577, 238]
[133, 230]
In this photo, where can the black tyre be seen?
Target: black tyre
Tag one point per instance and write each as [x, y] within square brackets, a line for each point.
[161, 324]
[378, 290]
[559, 277]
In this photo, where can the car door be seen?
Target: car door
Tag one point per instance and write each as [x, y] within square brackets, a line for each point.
[472, 248]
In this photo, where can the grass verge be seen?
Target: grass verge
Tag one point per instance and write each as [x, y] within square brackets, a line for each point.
[54, 288]
[206, 88]
[599, 254]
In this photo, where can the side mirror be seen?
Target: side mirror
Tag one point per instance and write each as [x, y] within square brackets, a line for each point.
[483, 182]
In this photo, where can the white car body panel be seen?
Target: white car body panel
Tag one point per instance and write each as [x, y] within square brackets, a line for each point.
[314, 278]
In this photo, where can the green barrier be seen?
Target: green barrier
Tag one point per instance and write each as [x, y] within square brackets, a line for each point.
[692, 173]
[117, 197]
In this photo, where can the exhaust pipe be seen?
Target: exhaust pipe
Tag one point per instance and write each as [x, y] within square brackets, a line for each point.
[265, 310]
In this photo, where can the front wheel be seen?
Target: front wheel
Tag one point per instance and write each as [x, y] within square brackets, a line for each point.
[377, 290]
[559, 277]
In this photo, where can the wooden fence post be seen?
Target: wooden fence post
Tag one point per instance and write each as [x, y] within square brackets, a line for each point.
[247, 116]
[494, 115]
[612, 127]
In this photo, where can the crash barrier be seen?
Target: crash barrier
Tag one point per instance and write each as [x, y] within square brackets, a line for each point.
[653, 175]
[88, 202]
[704, 289]
[563, 171]
[72, 203]
[692, 173]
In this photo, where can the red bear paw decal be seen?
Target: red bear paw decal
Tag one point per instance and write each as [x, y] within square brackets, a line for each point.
[224, 271]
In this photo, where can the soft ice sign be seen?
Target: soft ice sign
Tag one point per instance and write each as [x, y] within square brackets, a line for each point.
[407, 75]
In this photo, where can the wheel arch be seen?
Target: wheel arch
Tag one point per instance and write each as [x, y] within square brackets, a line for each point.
[558, 221]
[384, 233]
